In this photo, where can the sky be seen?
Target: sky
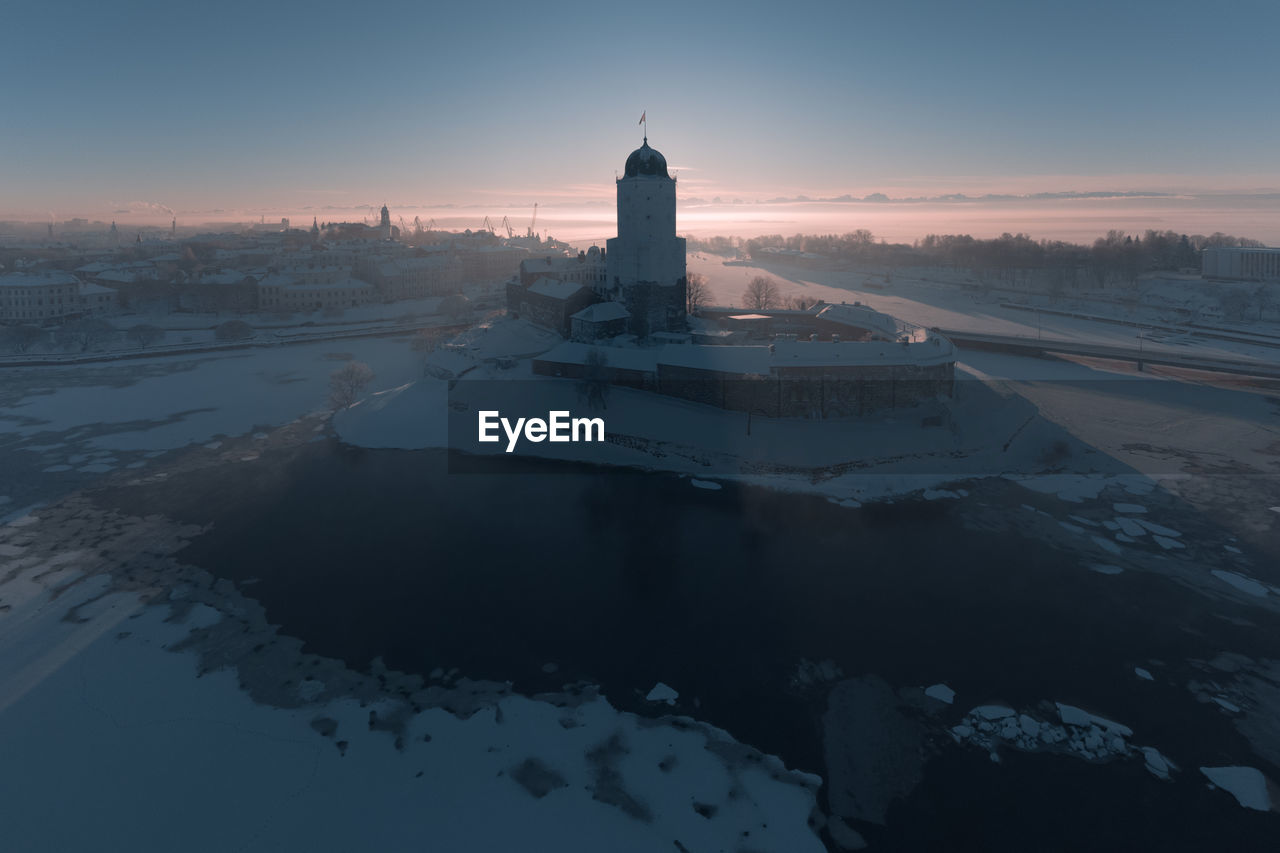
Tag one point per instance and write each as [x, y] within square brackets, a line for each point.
[133, 110]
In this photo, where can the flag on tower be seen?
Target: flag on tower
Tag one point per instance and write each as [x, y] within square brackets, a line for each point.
[641, 121]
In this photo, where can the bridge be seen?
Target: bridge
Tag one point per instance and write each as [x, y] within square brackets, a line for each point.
[1139, 355]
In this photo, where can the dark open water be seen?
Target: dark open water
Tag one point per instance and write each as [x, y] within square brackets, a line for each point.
[625, 578]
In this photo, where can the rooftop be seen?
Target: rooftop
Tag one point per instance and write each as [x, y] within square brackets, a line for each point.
[37, 279]
[555, 288]
[602, 312]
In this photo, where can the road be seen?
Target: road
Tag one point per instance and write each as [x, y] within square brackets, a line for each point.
[1022, 345]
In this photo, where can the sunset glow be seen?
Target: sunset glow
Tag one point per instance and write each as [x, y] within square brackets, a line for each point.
[232, 122]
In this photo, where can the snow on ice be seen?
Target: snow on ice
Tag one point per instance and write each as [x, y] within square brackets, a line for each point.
[1246, 784]
[662, 693]
[1247, 585]
[941, 692]
[1079, 733]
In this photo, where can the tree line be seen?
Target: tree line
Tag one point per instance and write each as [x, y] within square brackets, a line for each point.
[1116, 258]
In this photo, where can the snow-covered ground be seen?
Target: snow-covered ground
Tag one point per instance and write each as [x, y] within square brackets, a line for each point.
[174, 401]
[941, 301]
[106, 709]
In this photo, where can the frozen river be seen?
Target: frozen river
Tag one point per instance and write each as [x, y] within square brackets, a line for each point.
[753, 605]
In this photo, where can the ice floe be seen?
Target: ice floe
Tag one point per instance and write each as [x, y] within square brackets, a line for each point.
[1157, 764]
[705, 484]
[992, 712]
[1130, 527]
[1072, 488]
[1142, 673]
[1158, 529]
[1129, 508]
[1073, 716]
[1247, 585]
[941, 692]
[1246, 784]
[1078, 733]
[1106, 544]
[662, 693]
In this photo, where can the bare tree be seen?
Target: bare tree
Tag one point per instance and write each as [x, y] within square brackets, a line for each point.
[594, 386]
[761, 294]
[426, 340]
[696, 292]
[20, 338]
[799, 303]
[456, 306]
[346, 383]
[233, 330]
[1234, 304]
[144, 335]
[1262, 298]
[85, 333]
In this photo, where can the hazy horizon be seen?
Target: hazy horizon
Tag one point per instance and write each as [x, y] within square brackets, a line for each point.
[1077, 219]
[236, 111]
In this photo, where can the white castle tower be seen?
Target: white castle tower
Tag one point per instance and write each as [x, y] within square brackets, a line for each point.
[645, 263]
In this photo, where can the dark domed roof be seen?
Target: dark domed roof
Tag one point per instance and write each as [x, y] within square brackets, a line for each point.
[646, 161]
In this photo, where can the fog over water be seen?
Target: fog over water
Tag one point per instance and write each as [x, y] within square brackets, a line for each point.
[1077, 220]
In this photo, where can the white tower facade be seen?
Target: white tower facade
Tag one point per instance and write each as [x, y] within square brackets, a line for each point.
[645, 263]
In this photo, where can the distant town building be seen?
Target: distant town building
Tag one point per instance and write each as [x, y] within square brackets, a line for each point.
[411, 277]
[213, 291]
[489, 264]
[44, 297]
[1246, 264]
[585, 268]
[263, 226]
[552, 302]
[287, 293]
